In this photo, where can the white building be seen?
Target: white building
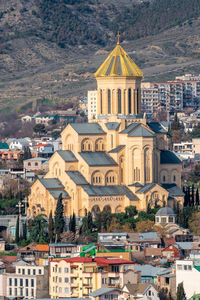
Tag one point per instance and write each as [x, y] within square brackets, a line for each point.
[92, 105]
[188, 272]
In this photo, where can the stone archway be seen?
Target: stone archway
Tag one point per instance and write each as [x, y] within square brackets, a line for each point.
[95, 210]
[107, 208]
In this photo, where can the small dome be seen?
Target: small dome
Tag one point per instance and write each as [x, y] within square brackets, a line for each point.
[165, 211]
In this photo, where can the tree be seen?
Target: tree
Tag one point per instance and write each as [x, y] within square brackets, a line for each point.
[197, 197]
[180, 294]
[131, 211]
[39, 129]
[51, 227]
[144, 226]
[59, 219]
[194, 223]
[24, 231]
[17, 236]
[39, 229]
[72, 223]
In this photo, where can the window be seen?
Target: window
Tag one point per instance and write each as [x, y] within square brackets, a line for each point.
[189, 268]
[26, 282]
[157, 219]
[60, 279]
[119, 102]
[66, 270]
[60, 290]
[34, 272]
[174, 178]
[40, 272]
[23, 271]
[19, 271]
[109, 102]
[66, 280]
[10, 291]
[15, 281]
[185, 267]
[21, 282]
[59, 270]
[15, 291]
[32, 292]
[138, 101]
[66, 290]
[163, 220]
[21, 291]
[29, 272]
[129, 101]
[115, 269]
[171, 219]
[164, 178]
[26, 292]
[149, 293]
[10, 281]
[179, 267]
[101, 101]
[32, 283]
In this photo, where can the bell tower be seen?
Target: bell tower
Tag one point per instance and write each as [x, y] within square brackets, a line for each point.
[118, 85]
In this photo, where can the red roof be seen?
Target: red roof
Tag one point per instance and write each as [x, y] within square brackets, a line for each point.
[8, 259]
[98, 260]
[42, 248]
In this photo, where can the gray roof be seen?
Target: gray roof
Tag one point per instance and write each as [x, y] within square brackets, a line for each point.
[156, 127]
[173, 189]
[102, 291]
[77, 177]
[165, 211]
[137, 184]
[169, 157]
[56, 194]
[141, 131]
[148, 270]
[36, 159]
[98, 158]
[109, 190]
[67, 155]
[149, 235]
[117, 149]
[146, 188]
[184, 245]
[51, 183]
[112, 125]
[87, 128]
[130, 128]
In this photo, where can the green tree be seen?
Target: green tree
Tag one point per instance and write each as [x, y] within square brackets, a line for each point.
[51, 227]
[72, 223]
[17, 236]
[59, 222]
[39, 229]
[131, 211]
[24, 231]
[39, 129]
[197, 197]
[180, 294]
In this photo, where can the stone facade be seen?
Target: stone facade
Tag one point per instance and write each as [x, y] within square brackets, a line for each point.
[115, 161]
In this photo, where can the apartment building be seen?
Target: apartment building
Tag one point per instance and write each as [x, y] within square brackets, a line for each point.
[77, 277]
[28, 281]
[92, 105]
[188, 272]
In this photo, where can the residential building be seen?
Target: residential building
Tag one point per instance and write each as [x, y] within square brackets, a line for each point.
[63, 250]
[111, 294]
[116, 160]
[149, 274]
[143, 291]
[79, 276]
[17, 144]
[28, 281]
[32, 253]
[92, 105]
[35, 164]
[165, 215]
[188, 272]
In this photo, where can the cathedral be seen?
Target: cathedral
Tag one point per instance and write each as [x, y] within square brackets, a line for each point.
[116, 160]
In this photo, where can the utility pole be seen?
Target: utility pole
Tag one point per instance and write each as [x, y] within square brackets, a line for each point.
[20, 205]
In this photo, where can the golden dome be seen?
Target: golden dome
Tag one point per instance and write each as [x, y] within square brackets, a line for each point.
[118, 63]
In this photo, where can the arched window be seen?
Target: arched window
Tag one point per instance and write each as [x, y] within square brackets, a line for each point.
[164, 178]
[119, 102]
[138, 101]
[109, 102]
[101, 101]
[174, 178]
[129, 101]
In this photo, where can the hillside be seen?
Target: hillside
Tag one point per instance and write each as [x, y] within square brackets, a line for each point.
[52, 48]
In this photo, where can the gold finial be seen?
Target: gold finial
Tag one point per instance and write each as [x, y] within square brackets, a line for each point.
[118, 35]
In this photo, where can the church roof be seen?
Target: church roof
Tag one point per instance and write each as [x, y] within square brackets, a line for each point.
[98, 158]
[141, 131]
[112, 125]
[117, 149]
[87, 128]
[147, 187]
[51, 183]
[56, 194]
[77, 177]
[67, 155]
[169, 157]
[165, 211]
[118, 63]
[156, 127]
[173, 189]
[130, 128]
[109, 190]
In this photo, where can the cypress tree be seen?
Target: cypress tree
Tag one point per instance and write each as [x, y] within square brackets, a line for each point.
[188, 196]
[17, 231]
[59, 219]
[180, 295]
[24, 231]
[73, 223]
[51, 227]
[192, 196]
[89, 221]
[197, 198]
